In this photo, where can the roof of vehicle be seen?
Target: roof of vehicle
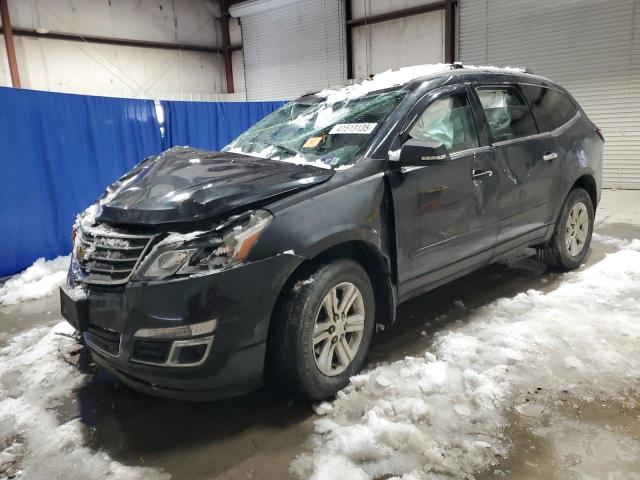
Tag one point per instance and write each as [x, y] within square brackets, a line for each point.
[417, 74]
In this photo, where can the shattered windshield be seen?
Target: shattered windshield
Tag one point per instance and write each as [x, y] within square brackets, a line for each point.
[314, 130]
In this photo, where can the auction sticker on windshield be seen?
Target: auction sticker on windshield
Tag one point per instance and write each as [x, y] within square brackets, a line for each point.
[358, 128]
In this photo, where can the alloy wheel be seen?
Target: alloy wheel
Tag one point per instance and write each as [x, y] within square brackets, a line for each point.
[577, 229]
[338, 329]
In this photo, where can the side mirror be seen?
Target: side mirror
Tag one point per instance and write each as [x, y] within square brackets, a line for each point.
[422, 153]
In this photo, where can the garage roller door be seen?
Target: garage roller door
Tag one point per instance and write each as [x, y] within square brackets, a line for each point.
[591, 47]
[292, 47]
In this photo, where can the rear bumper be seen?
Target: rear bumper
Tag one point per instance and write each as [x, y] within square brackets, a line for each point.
[241, 301]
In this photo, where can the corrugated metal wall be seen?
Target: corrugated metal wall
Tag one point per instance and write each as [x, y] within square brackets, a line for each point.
[592, 47]
[293, 49]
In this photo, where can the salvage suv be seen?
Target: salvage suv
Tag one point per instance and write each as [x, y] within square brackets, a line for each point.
[198, 274]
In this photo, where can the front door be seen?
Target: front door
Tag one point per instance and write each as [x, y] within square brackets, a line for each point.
[445, 211]
[527, 165]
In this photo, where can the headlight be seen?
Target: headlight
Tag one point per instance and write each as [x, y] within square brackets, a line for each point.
[218, 249]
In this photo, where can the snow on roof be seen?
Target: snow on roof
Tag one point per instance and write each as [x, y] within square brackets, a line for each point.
[393, 78]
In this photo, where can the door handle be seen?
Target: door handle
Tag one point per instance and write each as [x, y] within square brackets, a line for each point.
[480, 174]
[547, 157]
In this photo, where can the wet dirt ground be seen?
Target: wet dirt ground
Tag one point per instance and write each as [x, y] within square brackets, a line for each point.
[258, 435]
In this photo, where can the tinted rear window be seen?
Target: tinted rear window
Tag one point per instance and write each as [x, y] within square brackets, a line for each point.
[551, 108]
[507, 113]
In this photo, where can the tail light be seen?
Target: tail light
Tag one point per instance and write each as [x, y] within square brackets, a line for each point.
[600, 134]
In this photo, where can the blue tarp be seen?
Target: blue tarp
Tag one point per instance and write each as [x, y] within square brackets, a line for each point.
[58, 152]
[211, 125]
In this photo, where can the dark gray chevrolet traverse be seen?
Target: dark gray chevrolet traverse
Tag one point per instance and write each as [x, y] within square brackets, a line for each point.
[198, 272]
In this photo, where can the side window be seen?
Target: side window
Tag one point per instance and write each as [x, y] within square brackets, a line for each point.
[551, 108]
[507, 113]
[448, 120]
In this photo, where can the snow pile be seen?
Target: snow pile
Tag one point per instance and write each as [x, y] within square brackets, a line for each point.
[441, 415]
[394, 78]
[33, 376]
[37, 281]
[618, 243]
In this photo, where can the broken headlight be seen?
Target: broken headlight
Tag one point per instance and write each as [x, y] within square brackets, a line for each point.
[204, 252]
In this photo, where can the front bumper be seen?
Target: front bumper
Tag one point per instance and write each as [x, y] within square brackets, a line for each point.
[241, 301]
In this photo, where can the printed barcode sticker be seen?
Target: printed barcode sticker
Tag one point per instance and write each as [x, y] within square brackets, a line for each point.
[357, 128]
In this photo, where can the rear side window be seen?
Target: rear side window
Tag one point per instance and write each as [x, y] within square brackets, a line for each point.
[448, 120]
[551, 108]
[507, 113]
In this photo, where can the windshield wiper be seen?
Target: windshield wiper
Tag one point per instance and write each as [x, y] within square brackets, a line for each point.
[285, 147]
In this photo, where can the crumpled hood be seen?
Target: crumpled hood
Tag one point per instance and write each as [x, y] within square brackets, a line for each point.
[185, 184]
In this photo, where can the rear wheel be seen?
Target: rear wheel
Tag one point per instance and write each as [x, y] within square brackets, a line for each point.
[322, 330]
[569, 245]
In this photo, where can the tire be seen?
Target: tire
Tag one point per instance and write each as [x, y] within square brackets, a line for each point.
[571, 239]
[294, 362]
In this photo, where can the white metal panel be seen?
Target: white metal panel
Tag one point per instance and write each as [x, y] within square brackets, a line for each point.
[413, 40]
[5, 77]
[294, 49]
[172, 21]
[135, 72]
[237, 63]
[590, 47]
[114, 70]
[362, 8]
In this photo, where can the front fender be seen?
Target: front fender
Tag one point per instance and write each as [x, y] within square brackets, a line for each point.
[316, 222]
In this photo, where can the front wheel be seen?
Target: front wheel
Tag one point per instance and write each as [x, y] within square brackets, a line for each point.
[569, 245]
[322, 330]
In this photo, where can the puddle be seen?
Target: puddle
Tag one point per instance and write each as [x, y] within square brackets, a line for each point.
[571, 439]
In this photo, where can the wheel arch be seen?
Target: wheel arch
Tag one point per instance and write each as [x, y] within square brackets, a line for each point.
[588, 183]
[376, 265]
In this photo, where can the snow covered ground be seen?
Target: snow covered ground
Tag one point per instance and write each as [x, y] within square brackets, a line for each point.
[522, 362]
[442, 415]
[39, 280]
[36, 373]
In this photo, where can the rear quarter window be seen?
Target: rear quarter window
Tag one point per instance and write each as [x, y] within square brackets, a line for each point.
[551, 107]
[507, 113]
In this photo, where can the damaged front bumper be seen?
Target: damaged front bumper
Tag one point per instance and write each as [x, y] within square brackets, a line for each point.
[197, 338]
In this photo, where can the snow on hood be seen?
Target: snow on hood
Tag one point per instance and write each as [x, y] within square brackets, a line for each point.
[37, 281]
[394, 78]
[441, 415]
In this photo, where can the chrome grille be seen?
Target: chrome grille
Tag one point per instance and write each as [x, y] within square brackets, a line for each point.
[107, 256]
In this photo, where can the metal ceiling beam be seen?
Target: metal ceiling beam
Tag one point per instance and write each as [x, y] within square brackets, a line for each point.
[8, 40]
[25, 32]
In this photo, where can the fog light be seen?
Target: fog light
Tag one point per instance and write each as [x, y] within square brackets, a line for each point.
[189, 353]
[178, 332]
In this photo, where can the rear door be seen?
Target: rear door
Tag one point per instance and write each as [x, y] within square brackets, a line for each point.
[527, 165]
[445, 211]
